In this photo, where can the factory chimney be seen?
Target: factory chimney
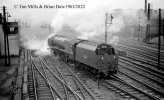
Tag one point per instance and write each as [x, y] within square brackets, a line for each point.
[148, 15]
[145, 6]
[0, 18]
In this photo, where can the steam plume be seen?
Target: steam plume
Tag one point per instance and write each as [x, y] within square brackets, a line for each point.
[86, 23]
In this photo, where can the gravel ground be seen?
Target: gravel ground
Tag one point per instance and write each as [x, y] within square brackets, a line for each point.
[7, 77]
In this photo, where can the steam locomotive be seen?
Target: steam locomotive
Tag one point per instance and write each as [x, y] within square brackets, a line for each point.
[96, 57]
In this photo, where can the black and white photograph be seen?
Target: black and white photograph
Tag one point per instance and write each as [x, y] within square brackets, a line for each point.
[81, 49]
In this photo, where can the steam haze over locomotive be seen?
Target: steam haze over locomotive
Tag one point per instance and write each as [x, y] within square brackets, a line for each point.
[83, 25]
[88, 23]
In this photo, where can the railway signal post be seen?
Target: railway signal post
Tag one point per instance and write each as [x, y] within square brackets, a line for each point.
[106, 25]
[159, 40]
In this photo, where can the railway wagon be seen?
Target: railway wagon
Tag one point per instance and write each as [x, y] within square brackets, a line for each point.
[99, 57]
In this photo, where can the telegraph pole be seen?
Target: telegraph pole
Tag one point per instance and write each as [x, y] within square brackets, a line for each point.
[139, 26]
[106, 15]
[8, 49]
[7, 54]
[159, 40]
[106, 25]
[4, 29]
[148, 25]
[49, 27]
[145, 6]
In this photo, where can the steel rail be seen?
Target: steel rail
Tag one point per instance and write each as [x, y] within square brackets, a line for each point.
[76, 94]
[48, 82]
[139, 64]
[65, 89]
[48, 79]
[137, 51]
[119, 79]
[141, 68]
[144, 60]
[34, 82]
[162, 84]
[66, 65]
[145, 84]
[33, 76]
[108, 83]
[65, 79]
[141, 44]
[146, 55]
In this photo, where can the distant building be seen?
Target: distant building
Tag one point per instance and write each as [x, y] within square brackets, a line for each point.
[137, 24]
[13, 37]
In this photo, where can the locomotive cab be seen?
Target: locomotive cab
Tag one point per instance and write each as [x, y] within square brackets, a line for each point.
[108, 58]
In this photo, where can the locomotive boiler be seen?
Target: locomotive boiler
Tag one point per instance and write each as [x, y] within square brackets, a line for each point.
[93, 56]
[62, 46]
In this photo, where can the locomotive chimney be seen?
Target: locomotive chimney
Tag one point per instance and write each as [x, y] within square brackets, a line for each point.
[145, 6]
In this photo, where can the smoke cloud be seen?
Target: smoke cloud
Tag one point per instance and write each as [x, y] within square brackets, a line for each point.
[88, 23]
[35, 38]
[91, 23]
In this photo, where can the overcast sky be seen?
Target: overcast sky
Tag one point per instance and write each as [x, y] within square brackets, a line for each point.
[48, 14]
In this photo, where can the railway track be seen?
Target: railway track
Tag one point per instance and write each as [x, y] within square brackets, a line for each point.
[151, 75]
[151, 47]
[141, 52]
[149, 85]
[130, 87]
[142, 55]
[144, 58]
[39, 85]
[126, 89]
[140, 65]
[88, 95]
[50, 81]
[147, 53]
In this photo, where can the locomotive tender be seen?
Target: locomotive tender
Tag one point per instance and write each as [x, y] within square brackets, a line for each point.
[96, 57]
